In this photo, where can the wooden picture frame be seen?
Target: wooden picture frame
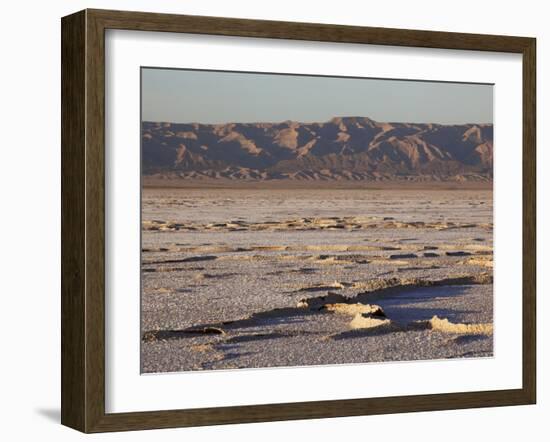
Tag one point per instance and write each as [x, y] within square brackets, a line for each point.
[83, 220]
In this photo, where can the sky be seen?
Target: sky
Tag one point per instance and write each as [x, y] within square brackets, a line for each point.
[209, 97]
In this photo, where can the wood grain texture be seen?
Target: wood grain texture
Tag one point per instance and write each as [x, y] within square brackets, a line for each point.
[83, 220]
[73, 256]
[95, 221]
[529, 221]
[144, 21]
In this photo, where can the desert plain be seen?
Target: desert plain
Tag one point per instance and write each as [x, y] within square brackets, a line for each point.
[278, 277]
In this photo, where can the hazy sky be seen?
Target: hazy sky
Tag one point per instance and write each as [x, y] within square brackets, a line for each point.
[186, 96]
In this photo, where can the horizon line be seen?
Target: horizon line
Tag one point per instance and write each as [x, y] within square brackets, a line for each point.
[317, 122]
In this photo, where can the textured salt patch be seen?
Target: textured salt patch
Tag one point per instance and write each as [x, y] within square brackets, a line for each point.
[355, 309]
[445, 326]
[291, 250]
[361, 321]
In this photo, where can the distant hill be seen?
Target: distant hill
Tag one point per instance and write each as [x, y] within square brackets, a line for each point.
[342, 149]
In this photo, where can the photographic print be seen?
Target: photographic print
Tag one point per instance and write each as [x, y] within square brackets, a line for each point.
[300, 220]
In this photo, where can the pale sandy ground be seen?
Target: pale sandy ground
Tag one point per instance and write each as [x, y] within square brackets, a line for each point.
[263, 278]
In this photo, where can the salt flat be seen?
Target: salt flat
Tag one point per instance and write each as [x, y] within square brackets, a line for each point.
[238, 278]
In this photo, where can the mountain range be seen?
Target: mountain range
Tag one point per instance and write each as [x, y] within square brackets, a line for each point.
[343, 148]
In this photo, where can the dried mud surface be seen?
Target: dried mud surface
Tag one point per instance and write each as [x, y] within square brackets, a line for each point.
[235, 278]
